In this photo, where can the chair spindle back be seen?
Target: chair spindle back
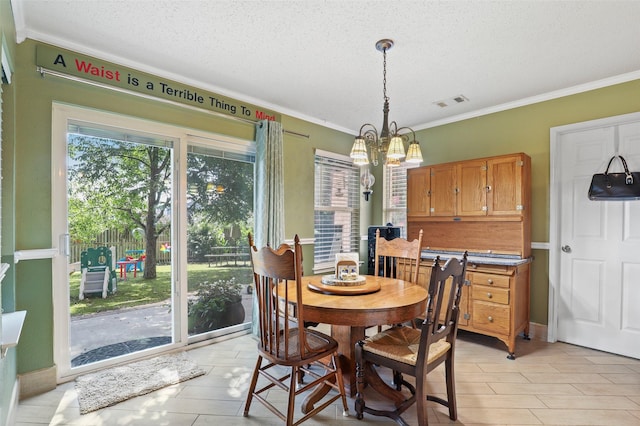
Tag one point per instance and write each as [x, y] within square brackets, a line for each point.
[273, 273]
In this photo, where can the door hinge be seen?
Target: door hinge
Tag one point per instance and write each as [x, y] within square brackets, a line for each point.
[519, 207]
[520, 163]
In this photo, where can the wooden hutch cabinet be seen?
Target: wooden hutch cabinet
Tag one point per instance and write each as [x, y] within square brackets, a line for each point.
[418, 191]
[482, 206]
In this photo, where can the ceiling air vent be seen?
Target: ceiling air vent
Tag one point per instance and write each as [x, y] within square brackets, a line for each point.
[451, 101]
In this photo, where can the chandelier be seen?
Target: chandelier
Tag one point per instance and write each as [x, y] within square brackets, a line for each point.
[388, 145]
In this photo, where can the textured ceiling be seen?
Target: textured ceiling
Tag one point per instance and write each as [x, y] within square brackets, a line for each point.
[317, 59]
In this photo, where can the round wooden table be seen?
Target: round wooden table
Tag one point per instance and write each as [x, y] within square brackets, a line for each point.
[397, 301]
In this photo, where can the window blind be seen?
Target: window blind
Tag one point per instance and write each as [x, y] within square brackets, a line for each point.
[222, 147]
[395, 197]
[337, 209]
[112, 133]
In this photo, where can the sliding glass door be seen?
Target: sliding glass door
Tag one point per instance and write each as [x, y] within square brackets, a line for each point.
[119, 219]
[219, 217]
[153, 224]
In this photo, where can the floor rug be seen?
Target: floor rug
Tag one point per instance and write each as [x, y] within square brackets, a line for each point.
[117, 384]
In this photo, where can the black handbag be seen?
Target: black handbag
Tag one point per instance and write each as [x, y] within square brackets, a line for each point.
[615, 186]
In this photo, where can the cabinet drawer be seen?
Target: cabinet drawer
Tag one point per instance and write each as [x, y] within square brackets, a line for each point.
[490, 269]
[490, 280]
[491, 294]
[491, 317]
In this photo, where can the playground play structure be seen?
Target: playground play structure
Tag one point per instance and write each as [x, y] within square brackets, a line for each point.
[98, 269]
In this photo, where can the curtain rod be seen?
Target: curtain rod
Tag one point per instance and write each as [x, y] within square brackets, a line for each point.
[43, 71]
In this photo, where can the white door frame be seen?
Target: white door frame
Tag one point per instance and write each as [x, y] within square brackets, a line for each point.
[555, 166]
[61, 113]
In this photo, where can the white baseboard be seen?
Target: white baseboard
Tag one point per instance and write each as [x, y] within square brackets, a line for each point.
[37, 382]
[538, 331]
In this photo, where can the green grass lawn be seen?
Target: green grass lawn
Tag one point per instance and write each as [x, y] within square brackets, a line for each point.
[139, 291]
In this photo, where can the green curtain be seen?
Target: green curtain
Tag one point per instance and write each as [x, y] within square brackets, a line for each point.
[268, 192]
[269, 186]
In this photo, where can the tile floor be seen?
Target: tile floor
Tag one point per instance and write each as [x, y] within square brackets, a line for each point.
[547, 384]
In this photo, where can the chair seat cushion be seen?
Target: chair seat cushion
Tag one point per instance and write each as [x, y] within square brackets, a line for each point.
[401, 344]
[317, 343]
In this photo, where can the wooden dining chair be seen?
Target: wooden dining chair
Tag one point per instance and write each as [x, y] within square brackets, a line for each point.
[398, 258]
[416, 352]
[284, 341]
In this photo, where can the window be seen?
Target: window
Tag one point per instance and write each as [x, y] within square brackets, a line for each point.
[337, 208]
[395, 197]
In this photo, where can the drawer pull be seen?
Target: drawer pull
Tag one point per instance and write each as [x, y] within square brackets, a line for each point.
[489, 295]
[490, 319]
[490, 281]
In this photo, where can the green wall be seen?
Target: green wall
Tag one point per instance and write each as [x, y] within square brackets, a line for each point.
[523, 129]
[527, 129]
[8, 365]
[33, 176]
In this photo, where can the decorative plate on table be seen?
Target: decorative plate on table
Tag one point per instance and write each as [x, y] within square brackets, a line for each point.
[329, 284]
[333, 280]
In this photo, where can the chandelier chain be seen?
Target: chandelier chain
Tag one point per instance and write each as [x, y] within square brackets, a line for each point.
[384, 74]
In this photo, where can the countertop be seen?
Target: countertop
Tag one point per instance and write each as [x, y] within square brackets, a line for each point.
[486, 259]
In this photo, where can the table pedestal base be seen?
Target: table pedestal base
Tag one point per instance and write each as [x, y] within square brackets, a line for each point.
[347, 337]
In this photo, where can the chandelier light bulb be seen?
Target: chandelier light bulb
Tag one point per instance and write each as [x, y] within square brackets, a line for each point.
[414, 155]
[396, 148]
[359, 149]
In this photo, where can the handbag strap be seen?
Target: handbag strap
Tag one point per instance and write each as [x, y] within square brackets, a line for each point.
[629, 176]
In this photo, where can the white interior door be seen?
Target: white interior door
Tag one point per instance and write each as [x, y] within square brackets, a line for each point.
[599, 266]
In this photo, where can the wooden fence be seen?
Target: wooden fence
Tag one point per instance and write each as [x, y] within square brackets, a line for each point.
[123, 242]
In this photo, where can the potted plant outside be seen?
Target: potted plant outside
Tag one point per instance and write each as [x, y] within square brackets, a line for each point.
[215, 305]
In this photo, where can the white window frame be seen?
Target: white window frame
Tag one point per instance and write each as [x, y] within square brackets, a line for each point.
[345, 201]
[394, 204]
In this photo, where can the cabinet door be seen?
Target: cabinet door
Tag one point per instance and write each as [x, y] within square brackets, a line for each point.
[504, 185]
[418, 191]
[443, 190]
[472, 188]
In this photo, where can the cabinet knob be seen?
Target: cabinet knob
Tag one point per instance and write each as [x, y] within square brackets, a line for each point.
[488, 188]
[489, 295]
[490, 319]
[490, 281]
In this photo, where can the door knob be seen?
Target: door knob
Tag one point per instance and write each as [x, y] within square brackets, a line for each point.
[566, 249]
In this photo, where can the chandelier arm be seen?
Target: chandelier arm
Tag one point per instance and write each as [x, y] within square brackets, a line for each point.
[406, 128]
[393, 128]
[372, 129]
